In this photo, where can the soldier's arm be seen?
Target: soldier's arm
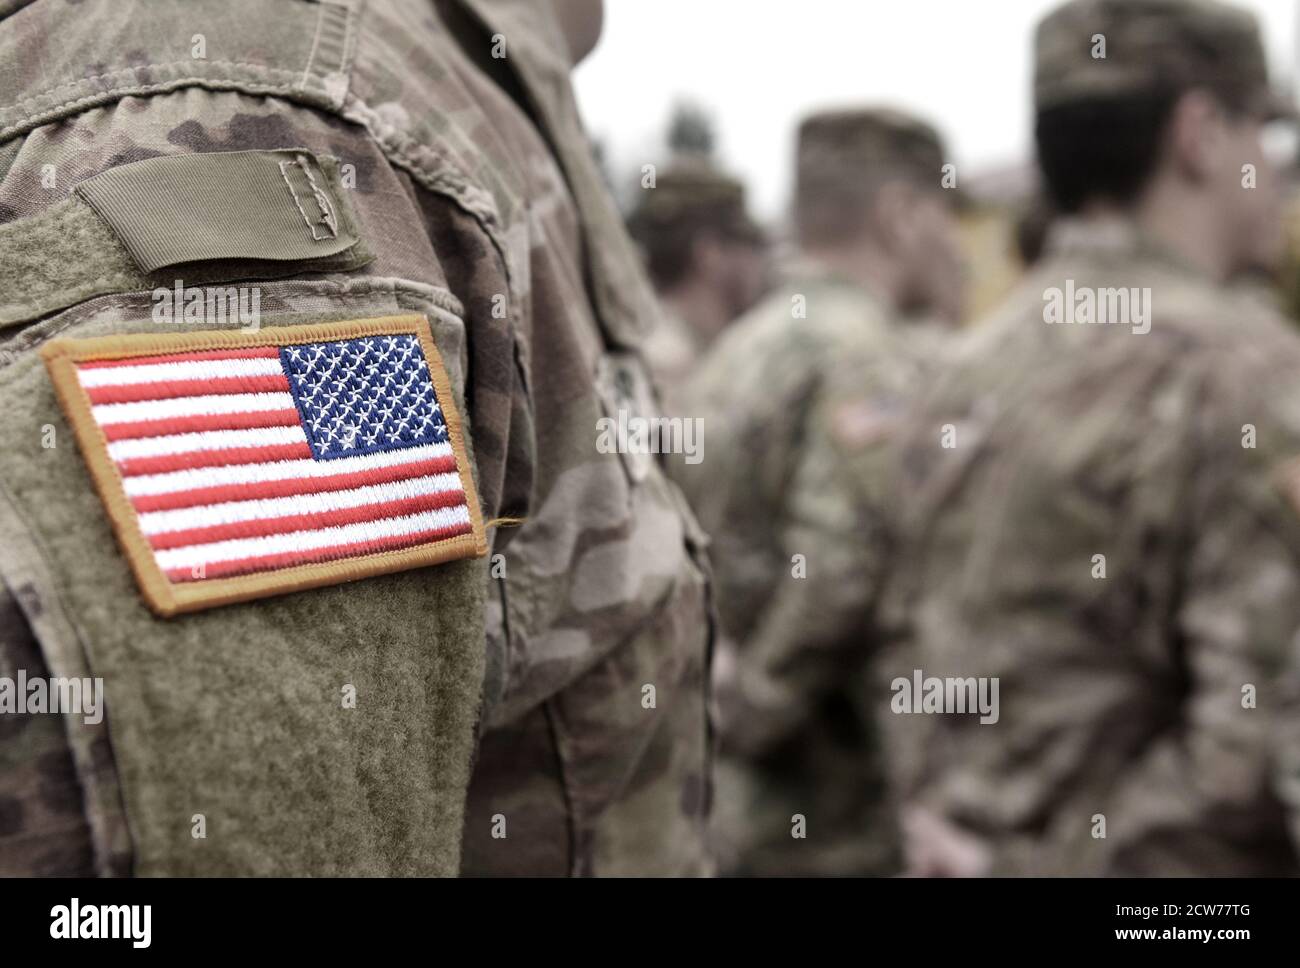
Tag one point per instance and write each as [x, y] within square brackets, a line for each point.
[1199, 790]
[813, 631]
[422, 613]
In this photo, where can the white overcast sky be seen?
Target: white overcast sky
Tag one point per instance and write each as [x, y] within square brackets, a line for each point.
[758, 65]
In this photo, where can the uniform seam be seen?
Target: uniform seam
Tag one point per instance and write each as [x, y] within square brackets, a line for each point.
[570, 809]
[328, 216]
[315, 43]
[35, 101]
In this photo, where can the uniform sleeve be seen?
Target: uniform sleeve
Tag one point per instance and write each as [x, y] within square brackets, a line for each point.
[1194, 800]
[814, 630]
[423, 644]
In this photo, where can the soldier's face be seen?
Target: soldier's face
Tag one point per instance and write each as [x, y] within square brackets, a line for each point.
[751, 275]
[934, 259]
[737, 269]
[1251, 188]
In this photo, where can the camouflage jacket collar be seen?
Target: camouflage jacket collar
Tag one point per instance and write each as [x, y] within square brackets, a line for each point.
[807, 270]
[1113, 239]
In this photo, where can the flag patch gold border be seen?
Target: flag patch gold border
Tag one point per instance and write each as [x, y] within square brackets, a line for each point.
[167, 598]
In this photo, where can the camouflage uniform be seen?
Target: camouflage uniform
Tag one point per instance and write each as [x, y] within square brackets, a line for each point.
[688, 198]
[1114, 537]
[787, 402]
[479, 207]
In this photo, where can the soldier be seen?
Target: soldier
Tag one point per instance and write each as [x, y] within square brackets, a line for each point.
[707, 259]
[799, 788]
[363, 594]
[1098, 501]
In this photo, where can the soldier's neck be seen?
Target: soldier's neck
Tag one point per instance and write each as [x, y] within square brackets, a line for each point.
[1185, 227]
[866, 266]
[704, 308]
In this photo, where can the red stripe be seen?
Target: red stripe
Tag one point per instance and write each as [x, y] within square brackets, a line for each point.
[170, 389]
[288, 487]
[222, 569]
[261, 527]
[252, 353]
[164, 463]
[194, 423]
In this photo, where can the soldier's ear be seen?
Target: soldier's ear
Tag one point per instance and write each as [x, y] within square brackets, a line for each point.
[1195, 137]
[893, 211]
[708, 254]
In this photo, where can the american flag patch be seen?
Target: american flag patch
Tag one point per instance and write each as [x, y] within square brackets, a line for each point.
[240, 465]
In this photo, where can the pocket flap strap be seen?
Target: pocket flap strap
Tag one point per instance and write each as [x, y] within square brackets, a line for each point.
[215, 216]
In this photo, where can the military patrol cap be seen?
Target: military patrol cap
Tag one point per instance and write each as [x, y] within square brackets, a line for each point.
[691, 195]
[1152, 46]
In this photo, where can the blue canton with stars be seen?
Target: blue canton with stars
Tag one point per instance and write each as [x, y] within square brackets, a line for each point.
[360, 396]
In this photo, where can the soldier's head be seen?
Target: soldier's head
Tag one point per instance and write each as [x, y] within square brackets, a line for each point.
[869, 199]
[1154, 109]
[698, 236]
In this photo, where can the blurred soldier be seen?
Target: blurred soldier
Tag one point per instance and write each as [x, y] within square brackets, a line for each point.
[798, 781]
[1099, 501]
[707, 259]
[304, 644]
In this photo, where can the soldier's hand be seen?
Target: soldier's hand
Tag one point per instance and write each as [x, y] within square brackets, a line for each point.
[933, 847]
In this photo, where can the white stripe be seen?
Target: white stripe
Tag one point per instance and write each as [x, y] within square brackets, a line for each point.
[275, 544]
[279, 470]
[182, 519]
[111, 376]
[112, 413]
[205, 440]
